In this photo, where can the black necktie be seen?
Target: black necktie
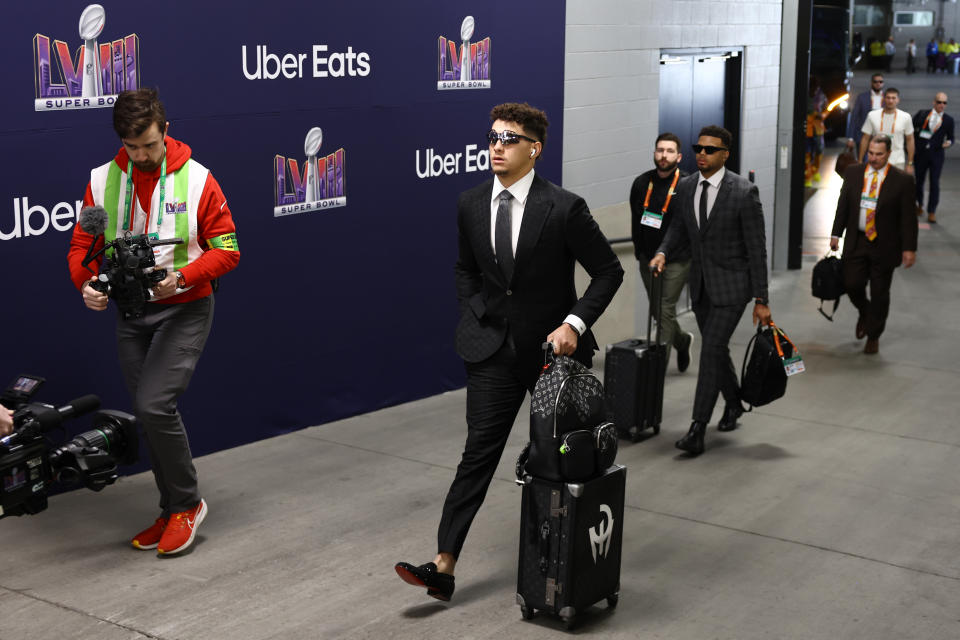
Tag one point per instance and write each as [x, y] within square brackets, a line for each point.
[503, 235]
[703, 204]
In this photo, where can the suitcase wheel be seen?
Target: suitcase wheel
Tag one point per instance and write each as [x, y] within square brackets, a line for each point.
[656, 429]
[613, 600]
[526, 612]
[569, 622]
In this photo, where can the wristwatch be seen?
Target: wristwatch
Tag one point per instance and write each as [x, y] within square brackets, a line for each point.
[764, 301]
[181, 283]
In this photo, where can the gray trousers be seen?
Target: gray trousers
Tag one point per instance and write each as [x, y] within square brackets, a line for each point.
[717, 375]
[674, 277]
[158, 354]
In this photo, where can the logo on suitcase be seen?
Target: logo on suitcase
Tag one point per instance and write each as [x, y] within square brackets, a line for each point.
[601, 534]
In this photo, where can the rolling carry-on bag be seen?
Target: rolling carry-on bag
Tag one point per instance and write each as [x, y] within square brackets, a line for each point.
[571, 537]
[633, 376]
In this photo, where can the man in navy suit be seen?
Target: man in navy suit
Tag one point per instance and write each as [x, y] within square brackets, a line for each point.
[865, 103]
[519, 237]
[721, 222]
[933, 130]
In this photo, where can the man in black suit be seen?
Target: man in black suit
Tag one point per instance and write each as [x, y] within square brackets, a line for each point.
[519, 238]
[875, 209]
[721, 222]
[934, 132]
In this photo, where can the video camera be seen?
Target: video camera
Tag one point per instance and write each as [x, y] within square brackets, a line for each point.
[29, 463]
[128, 272]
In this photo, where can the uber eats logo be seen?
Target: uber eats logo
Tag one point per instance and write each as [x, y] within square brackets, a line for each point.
[35, 219]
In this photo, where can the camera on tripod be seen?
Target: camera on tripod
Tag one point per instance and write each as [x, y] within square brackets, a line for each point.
[129, 271]
[30, 463]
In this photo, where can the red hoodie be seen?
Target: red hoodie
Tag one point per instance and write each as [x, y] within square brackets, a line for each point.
[213, 220]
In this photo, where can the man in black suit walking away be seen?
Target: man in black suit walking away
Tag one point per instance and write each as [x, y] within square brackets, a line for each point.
[721, 223]
[875, 209]
[519, 237]
[934, 132]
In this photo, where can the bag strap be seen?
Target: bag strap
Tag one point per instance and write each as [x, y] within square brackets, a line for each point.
[743, 368]
[836, 303]
[780, 332]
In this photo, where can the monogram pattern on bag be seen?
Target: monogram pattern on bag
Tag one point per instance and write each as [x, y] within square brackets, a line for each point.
[575, 393]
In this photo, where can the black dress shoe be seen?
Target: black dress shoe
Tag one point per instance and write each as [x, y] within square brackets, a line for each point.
[729, 420]
[439, 585]
[683, 355]
[692, 443]
[861, 330]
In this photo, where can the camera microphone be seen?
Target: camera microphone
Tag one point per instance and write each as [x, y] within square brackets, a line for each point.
[79, 406]
[93, 220]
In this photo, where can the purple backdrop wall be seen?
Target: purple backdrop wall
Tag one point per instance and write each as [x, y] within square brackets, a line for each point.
[333, 311]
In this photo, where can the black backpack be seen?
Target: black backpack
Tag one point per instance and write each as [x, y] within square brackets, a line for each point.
[762, 376]
[570, 438]
[827, 283]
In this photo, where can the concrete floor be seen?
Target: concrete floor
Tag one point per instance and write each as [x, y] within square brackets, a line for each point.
[832, 513]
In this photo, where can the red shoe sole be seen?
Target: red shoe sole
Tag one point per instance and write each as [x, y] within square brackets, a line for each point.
[409, 578]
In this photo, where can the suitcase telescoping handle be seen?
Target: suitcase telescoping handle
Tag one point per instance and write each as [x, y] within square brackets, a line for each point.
[656, 302]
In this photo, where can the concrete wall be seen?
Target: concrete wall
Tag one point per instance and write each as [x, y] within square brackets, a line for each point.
[611, 110]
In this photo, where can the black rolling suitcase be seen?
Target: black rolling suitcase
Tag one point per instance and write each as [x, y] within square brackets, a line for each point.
[571, 537]
[633, 376]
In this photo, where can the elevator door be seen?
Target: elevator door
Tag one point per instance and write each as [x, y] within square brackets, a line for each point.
[699, 89]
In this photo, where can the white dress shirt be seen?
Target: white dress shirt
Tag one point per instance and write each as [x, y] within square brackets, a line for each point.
[714, 187]
[519, 190]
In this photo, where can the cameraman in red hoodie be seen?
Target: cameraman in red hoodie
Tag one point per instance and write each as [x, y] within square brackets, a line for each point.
[153, 186]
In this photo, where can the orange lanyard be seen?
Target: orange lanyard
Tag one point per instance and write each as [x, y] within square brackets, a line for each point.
[666, 203]
[939, 124]
[880, 179]
[894, 122]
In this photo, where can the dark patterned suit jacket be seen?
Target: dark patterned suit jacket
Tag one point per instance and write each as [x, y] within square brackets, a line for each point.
[556, 232]
[896, 216]
[730, 253]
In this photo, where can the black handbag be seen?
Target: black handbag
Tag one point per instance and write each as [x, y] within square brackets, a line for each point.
[827, 283]
[567, 398]
[763, 377]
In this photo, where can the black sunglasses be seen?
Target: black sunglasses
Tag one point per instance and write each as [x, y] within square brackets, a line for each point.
[506, 137]
[697, 148]
[941, 102]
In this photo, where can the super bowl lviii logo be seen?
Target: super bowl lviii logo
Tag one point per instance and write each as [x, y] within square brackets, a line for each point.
[94, 76]
[467, 67]
[320, 184]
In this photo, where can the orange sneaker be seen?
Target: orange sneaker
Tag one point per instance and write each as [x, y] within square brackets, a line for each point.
[149, 537]
[181, 529]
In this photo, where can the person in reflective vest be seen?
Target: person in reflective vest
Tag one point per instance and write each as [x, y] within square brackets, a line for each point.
[154, 186]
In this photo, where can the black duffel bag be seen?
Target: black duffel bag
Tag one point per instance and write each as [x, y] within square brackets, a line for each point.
[763, 378]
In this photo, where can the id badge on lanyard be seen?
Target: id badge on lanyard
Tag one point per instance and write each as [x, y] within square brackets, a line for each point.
[652, 218]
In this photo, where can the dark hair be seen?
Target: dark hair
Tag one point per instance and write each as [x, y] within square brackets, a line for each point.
[134, 112]
[892, 90]
[882, 137]
[533, 120]
[875, 76]
[672, 137]
[715, 131]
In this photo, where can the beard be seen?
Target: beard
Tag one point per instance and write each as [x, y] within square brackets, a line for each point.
[665, 165]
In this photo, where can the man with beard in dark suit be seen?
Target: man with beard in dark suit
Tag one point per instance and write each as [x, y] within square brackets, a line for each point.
[721, 221]
[519, 237]
[876, 211]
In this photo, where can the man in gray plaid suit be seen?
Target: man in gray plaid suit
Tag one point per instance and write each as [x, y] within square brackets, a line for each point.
[721, 222]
